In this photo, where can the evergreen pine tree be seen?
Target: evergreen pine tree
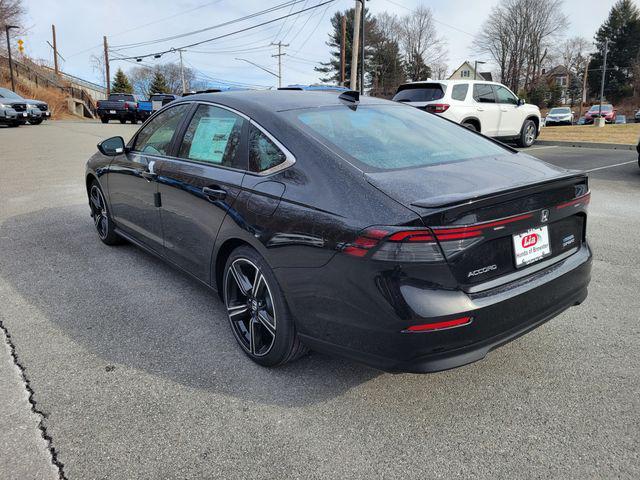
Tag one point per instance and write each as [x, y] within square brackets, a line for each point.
[121, 83]
[159, 84]
[622, 29]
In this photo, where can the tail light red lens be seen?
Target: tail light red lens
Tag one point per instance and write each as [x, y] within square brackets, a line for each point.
[391, 244]
[437, 107]
[442, 325]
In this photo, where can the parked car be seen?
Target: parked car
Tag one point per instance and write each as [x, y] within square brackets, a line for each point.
[581, 121]
[621, 119]
[316, 88]
[33, 111]
[486, 107]
[8, 116]
[350, 225]
[637, 116]
[144, 110]
[119, 106]
[159, 100]
[607, 111]
[559, 116]
[638, 150]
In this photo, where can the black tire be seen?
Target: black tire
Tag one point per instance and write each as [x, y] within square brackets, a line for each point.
[122, 120]
[265, 331]
[14, 124]
[470, 126]
[101, 216]
[104, 119]
[528, 134]
[134, 121]
[35, 122]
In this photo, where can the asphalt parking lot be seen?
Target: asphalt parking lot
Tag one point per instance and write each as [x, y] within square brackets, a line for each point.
[135, 373]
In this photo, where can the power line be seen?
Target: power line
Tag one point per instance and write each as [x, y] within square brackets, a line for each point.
[231, 33]
[213, 27]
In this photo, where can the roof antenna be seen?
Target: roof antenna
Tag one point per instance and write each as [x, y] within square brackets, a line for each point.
[351, 96]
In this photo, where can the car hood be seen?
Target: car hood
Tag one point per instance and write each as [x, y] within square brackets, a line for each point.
[12, 101]
[451, 183]
[29, 100]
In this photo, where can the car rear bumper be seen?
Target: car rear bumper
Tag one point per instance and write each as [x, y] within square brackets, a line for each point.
[371, 332]
[119, 114]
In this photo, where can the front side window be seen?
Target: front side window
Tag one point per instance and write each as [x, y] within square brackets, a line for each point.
[505, 96]
[263, 153]
[483, 93]
[459, 92]
[213, 136]
[155, 138]
[383, 137]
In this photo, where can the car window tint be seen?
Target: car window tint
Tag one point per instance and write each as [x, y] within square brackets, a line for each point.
[383, 137]
[505, 96]
[421, 92]
[459, 92]
[263, 153]
[483, 93]
[155, 137]
[213, 136]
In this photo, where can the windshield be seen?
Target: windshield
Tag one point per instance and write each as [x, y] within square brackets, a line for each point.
[419, 93]
[605, 108]
[559, 111]
[383, 137]
[4, 93]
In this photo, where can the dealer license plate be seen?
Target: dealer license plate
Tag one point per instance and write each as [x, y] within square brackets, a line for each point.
[112, 111]
[531, 246]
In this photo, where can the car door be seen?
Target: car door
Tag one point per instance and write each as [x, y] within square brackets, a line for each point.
[199, 185]
[132, 182]
[511, 115]
[487, 110]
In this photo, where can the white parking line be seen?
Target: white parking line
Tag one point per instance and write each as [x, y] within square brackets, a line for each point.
[611, 166]
[541, 147]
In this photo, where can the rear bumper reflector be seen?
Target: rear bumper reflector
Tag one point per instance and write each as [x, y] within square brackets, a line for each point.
[430, 327]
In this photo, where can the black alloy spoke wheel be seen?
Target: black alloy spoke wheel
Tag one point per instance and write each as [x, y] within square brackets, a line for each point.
[101, 217]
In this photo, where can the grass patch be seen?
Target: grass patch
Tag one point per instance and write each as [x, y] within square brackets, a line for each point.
[624, 134]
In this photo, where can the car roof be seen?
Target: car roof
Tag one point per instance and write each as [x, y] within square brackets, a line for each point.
[447, 82]
[258, 102]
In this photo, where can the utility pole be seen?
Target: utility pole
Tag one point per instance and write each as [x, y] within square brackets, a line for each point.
[184, 83]
[604, 71]
[584, 85]
[106, 65]
[362, 22]
[355, 45]
[279, 55]
[55, 50]
[13, 82]
[343, 50]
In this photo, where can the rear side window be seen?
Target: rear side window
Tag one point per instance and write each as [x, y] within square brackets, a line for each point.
[263, 153]
[423, 92]
[121, 98]
[483, 93]
[459, 92]
[155, 138]
[213, 136]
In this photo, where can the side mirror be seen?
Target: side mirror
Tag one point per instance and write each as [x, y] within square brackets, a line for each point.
[521, 102]
[112, 146]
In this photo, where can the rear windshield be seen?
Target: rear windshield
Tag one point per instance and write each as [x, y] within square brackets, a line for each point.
[605, 108]
[557, 111]
[121, 98]
[388, 137]
[419, 93]
[159, 98]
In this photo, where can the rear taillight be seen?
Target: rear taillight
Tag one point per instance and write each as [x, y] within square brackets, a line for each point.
[395, 245]
[437, 107]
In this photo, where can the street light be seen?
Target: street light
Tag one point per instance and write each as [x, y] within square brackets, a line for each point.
[7, 28]
[475, 68]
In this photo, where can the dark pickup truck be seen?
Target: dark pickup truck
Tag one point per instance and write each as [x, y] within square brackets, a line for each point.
[123, 107]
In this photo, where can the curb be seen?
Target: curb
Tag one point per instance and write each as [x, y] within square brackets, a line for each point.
[607, 146]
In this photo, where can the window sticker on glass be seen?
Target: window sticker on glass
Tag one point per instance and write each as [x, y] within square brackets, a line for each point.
[211, 138]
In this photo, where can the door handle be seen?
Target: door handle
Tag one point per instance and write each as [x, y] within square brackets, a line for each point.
[214, 193]
[504, 109]
[480, 109]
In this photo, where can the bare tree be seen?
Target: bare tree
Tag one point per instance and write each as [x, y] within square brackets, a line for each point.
[142, 77]
[420, 42]
[98, 66]
[518, 35]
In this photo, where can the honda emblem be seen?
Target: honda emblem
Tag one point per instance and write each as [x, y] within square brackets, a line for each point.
[544, 215]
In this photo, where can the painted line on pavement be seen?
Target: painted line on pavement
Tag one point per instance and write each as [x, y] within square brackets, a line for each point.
[611, 166]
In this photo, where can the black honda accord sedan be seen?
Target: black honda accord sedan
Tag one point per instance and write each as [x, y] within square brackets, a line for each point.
[354, 226]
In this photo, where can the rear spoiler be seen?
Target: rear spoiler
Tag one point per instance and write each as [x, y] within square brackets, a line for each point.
[460, 199]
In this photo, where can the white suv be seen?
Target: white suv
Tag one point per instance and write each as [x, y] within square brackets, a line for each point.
[486, 107]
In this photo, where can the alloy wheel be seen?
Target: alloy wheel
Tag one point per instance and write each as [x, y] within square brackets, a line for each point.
[99, 212]
[250, 307]
[530, 134]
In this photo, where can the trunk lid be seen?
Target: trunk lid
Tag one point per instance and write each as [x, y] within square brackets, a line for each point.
[476, 207]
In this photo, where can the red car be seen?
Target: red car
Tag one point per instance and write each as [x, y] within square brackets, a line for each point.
[608, 112]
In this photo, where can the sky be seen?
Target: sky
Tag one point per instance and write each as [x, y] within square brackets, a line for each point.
[80, 26]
